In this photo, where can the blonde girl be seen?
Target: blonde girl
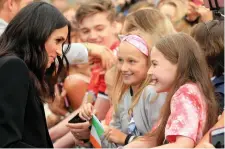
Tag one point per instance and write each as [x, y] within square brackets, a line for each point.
[136, 103]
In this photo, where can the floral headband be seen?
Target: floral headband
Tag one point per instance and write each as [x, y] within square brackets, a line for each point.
[136, 41]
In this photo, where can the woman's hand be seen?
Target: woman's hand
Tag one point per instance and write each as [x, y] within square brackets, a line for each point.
[115, 135]
[80, 131]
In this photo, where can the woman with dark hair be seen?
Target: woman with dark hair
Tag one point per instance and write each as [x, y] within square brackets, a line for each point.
[28, 47]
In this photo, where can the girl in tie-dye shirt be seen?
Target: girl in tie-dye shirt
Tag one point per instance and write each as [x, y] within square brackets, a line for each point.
[179, 68]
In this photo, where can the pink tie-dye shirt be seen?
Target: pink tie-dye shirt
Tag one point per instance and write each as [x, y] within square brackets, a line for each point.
[188, 114]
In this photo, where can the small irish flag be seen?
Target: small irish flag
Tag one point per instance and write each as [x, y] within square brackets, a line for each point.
[96, 132]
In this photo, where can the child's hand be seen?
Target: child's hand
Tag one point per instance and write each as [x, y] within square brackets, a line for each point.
[86, 111]
[192, 13]
[105, 127]
[106, 55]
[115, 135]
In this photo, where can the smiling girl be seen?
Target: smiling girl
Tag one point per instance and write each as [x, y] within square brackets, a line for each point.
[179, 68]
[136, 103]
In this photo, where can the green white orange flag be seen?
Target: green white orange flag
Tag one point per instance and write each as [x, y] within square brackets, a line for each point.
[96, 132]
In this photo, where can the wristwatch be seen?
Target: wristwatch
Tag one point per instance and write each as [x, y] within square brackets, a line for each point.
[129, 139]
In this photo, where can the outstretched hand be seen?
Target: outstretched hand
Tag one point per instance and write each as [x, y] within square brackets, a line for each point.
[105, 55]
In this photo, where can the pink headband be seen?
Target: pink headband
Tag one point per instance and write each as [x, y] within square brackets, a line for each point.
[136, 41]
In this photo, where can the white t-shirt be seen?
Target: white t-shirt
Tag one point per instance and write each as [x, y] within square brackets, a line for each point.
[3, 25]
[77, 54]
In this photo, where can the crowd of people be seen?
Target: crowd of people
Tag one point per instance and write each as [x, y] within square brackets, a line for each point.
[152, 72]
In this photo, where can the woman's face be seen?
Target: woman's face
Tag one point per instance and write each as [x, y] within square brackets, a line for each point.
[54, 44]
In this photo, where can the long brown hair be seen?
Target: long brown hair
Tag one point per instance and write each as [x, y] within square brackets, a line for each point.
[183, 50]
[16, 40]
[210, 37]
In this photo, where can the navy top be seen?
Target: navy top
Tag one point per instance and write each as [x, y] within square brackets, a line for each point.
[218, 83]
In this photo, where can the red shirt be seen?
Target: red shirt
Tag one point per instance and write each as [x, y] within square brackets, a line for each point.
[97, 81]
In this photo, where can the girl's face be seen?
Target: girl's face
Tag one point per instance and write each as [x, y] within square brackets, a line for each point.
[132, 63]
[163, 72]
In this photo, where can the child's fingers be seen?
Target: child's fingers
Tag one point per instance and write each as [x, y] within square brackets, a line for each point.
[83, 115]
[193, 5]
[87, 115]
[86, 111]
[94, 112]
[105, 127]
[107, 134]
[89, 109]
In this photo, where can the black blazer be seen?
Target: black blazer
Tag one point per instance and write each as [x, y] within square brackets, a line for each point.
[22, 117]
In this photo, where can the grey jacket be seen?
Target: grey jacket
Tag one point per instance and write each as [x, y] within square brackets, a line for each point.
[145, 113]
